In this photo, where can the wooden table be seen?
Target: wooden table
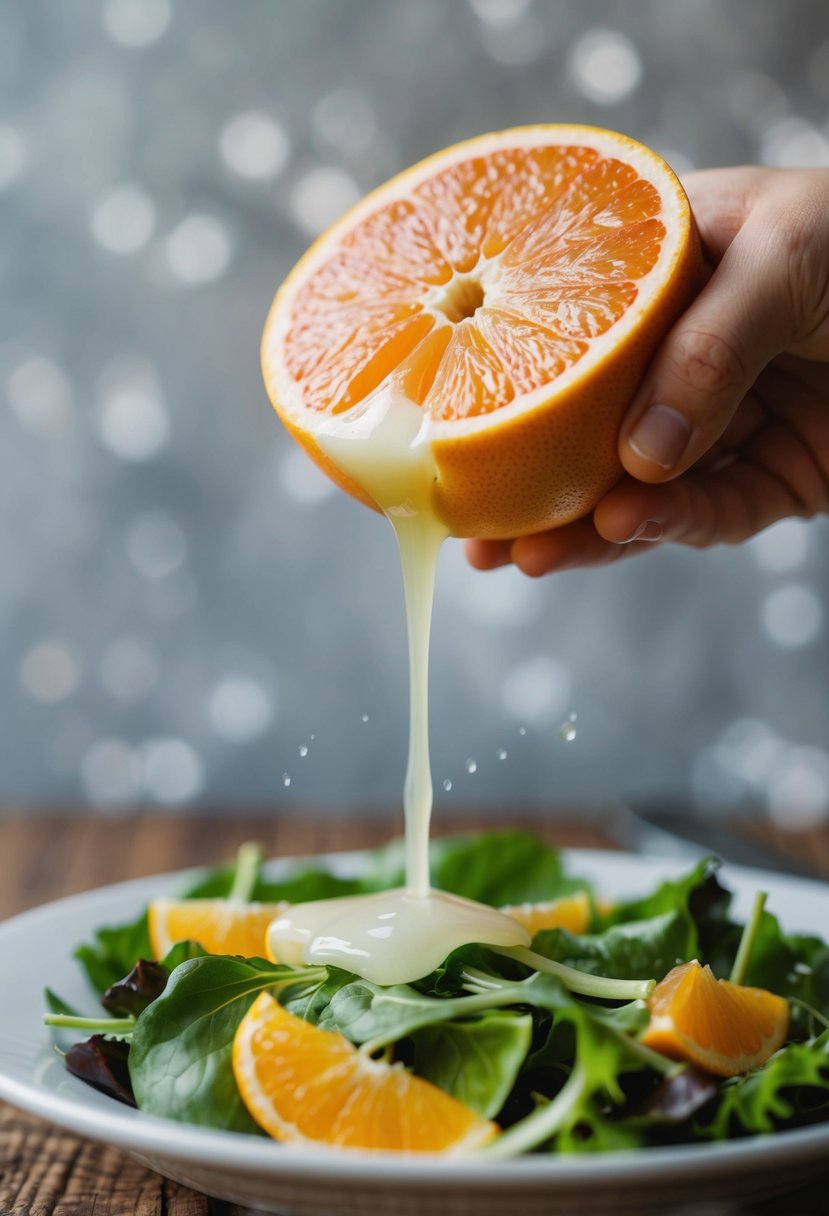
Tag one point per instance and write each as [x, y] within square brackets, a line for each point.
[48, 1172]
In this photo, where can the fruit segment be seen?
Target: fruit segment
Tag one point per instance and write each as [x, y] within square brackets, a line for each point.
[306, 1085]
[220, 926]
[555, 238]
[724, 1028]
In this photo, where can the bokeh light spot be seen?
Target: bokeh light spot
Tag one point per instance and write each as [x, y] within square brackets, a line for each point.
[500, 12]
[136, 23]
[605, 66]
[253, 145]
[50, 671]
[794, 143]
[241, 709]
[320, 196]
[344, 121]
[123, 220]
[173, 771]
[199, 249]
[792, 616]
[782, 547]
[798, 791]
[111, 773]
[133, 422]
[41, 397]
[537, 691]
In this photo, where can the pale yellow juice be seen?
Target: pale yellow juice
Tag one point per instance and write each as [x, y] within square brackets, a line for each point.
[400, 935]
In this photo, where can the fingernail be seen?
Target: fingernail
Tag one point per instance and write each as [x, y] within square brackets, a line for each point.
[661, 435]
[651, 529]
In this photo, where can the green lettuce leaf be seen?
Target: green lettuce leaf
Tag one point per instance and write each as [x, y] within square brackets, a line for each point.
[476, 1061]
[791, 1089]
[627, 950]
[179, 1059]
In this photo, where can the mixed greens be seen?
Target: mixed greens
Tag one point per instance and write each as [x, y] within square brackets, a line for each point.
[537, 1041]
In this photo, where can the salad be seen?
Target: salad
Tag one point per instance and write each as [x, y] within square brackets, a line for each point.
[657, 1020]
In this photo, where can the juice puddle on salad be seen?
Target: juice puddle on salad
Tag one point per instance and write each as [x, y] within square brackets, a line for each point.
[396, 936]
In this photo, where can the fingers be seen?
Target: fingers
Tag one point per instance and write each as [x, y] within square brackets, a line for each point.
[575, 545]
[487, 554]
[741, 320]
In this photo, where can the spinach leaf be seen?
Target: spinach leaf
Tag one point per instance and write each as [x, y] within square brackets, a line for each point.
[500, 868]
[115, 949]
[56, 1004]
[365, 1012]
[180, 1059]
[476, 1061]
[493, 867]
[699, 891]
[301, 884]
[627, 950]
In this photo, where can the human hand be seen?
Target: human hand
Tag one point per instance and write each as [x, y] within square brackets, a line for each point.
[729, 431]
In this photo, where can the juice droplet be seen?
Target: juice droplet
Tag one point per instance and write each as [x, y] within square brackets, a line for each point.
[501, 753]
[472, 766]
[567, 730]
[303, 749]
[522, 730]
[447, 785]
[364, 718]
[286, 779]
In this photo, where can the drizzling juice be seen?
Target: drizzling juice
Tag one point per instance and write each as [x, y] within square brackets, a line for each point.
[399, 935]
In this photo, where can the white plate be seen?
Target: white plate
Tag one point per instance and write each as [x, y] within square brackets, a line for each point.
[35, 950]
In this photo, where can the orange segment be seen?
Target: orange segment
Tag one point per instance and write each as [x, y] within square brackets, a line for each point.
[722, 1027]
[571, 912]
[514, 287]
[220, 926]
[304, 1085]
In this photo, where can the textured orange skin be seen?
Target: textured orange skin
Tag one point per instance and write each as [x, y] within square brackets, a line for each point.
[547, 467]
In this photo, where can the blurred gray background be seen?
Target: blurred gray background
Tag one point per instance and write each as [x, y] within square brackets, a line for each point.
[189, 613]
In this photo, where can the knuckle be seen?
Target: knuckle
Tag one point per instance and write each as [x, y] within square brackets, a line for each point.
[708, 363]
[801, 238]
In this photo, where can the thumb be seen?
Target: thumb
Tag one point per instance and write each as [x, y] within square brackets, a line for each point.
[710, 359]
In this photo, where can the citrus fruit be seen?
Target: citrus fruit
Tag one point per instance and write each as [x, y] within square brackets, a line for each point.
[220, 926]
[311, 1086]
[571, 912]
[513, 287]
[723, 1028]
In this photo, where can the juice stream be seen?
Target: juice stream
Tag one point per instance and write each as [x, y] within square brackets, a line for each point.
[401, 935]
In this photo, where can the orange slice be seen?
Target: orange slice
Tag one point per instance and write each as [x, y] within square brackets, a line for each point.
[310, 1086]
[220, 926]
[722, 1027]
[514, 288]
[571, 912]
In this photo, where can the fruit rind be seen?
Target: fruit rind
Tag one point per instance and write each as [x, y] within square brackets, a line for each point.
[552, 454]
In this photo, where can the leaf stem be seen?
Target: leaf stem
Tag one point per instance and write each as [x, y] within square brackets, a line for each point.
[248, 862]
[580, 981]
[544, 1121]
[741, 959]
[66, 1021]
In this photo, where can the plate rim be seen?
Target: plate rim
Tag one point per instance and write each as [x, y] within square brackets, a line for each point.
[166, 1139]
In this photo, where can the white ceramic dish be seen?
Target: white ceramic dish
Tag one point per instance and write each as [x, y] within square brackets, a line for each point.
[36, 948]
